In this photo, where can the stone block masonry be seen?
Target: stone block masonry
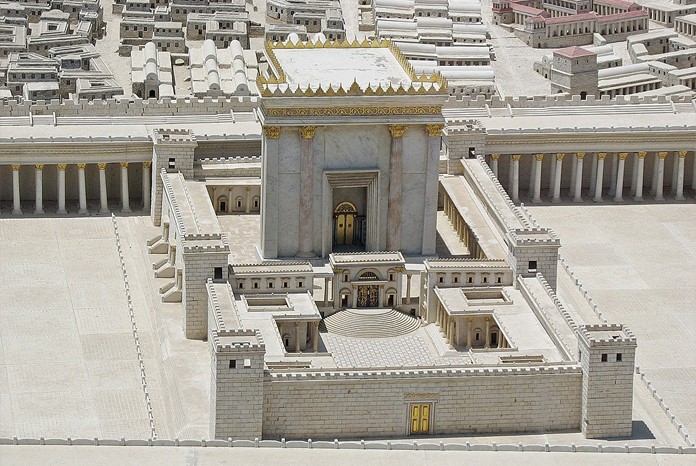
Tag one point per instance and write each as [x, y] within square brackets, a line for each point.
[377, 404]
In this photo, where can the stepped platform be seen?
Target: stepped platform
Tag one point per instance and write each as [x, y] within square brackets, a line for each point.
[370, 323]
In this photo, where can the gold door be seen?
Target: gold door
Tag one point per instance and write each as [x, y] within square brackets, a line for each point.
[420, 419]
[344, 216]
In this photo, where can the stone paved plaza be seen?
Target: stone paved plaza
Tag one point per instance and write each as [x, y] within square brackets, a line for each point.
[638, 262]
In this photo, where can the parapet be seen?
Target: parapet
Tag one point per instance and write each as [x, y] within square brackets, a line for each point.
[534, 237]
[541, 101]
[607, 335]
[238, 341]
[174, 136]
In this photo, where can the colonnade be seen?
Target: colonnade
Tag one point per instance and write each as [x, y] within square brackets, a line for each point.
[459, 330]
[465, 234]
[82, 188]
[621, 185]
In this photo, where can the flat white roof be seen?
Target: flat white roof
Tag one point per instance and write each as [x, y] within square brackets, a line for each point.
[341, 66]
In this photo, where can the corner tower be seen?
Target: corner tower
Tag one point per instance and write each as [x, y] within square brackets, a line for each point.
[350, 150]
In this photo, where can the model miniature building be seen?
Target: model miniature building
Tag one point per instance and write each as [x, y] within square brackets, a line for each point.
[218, 72]
[323, 16]
[151, 72]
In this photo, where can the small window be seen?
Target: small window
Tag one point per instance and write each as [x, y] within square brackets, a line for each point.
[485, 279]
[604, 357]
[233, 364]
[256, 285]
[172, 162]
[470, 280]
[619, 357]
[499, 280]
[532, 266]
[391, 277]
[300, 284]
[455, 279]
[270, 284]
[345, 278]
[247, 364]
[240, 286]
[441, 279]
[217, 273]
[285, 284]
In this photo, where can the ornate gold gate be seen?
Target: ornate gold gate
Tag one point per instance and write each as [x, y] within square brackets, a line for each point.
[368, 296]
[420, 418]
[344, 223]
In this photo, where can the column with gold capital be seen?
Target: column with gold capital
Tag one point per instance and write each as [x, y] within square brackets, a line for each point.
[270, 197]
[38, 170]
[537, 177]
[515, 178]
[579, 160]
[61, 188]
[103, 199]
[640, 158]
[660, 179]
[558, 170]
[82, 189]
[395, 174]
[494, 164]
[434, 132]
[618, 194]
[679, 192]
[16, 200]
[125, 201]
[306, 236]
[599, 178]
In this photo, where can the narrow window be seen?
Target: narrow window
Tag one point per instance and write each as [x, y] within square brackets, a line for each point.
[619, 357]
[532, 266]
[233, 364]
[604, 357]
[217, 273]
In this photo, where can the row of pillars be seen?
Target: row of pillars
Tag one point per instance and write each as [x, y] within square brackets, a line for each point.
[464, 232]
[616, 189]
[448, 326]
[38, 173]
[314, 334]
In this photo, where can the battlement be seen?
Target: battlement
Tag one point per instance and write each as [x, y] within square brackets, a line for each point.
[554, 100]
[534, 236]
[604, 335]
[237, 341]
[227, 160]
[174, 136]
[464, 263]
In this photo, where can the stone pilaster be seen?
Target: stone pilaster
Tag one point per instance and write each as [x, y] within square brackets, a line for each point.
[16, 200]
[82, 189]
[306, 223]
[395, 174]
[434, 132]
[61, 188]
[269, 192]
[38, 170]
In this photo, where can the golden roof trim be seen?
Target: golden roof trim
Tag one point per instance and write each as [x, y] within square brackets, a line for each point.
[272, 86]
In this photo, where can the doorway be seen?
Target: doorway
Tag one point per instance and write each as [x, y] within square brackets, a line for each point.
[420, 415]
[368, 296]
[344, 223]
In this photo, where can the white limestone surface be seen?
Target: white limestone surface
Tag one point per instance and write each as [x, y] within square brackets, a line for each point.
[341, 66]
[638, 262]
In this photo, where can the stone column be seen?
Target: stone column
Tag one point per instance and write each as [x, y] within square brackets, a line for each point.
[16, 201]
[434, 132]
[680, 175]
[593, 175]
[494, 164]
[61, 188]
[147, 178]
[515, 178]
[660, 176]
[620, 177]
[247, 200]
[488, 332]
[125, 202]
[297, 337]
[573, 175]
[326, 291]
[634, 174]
[532, 173]
[39, 188]
[653, 185]
[614, 170]
[600, 176]
[82, 188]
[315, 337]
[469, 332]
[451, 335]
[408, 288]
[675, 174]
[579, 160]
[557, 178]
[103, 198]
[395, 174]
[537, 178]
[639, 176]
[306, 237]
[552, 176]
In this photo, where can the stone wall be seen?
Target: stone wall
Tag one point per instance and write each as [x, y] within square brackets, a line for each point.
[376, 404]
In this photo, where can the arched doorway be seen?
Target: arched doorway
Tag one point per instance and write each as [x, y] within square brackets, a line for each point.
[344, 223]
[152, 94]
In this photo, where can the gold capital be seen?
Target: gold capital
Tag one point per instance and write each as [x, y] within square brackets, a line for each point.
[62, 166]
[308, 132]
[516, 157]
[602, 155]
[623, 155]
[147, 164]
[15, 166]
[271, 132]
[662, 155]
[39, 166]
[560, 156]
[580, 155]
[642, 154]
[124, 164]
[434, 129]
[397, 131]
[539, 157]
[81, 166]
[682, 154]
[495, 156]
[102, 166]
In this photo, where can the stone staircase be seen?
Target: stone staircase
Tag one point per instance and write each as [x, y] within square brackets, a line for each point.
[370, 323]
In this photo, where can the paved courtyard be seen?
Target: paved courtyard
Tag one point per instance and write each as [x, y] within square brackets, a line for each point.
[638, 262]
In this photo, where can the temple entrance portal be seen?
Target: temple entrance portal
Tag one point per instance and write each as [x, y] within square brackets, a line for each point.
[368, 296]
[349, 226]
